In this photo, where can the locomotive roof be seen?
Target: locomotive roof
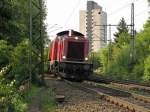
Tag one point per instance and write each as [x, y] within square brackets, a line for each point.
[63, 33]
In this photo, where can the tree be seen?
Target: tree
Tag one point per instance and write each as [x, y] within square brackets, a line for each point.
[14, 23]
[14, 51]
[14, 17]
[11, 29]
[20, 63]
[122, 28]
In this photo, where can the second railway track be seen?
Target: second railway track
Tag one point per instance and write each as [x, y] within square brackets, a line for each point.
[130, 101]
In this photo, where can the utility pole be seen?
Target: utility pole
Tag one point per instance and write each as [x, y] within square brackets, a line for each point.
[132, 41]
[30, 44]
[109, 51]
[36, 40]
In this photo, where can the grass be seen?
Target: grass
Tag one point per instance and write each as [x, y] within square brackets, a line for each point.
[31, 93]
[45, 97]
[48, 101]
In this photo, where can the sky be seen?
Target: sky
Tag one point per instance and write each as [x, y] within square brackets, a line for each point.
[64, 14]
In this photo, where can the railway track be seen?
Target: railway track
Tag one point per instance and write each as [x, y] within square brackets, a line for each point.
[137, 88]
[136, 96]
[144, 89]
[119, 96]
[132, 102]
[78, 100]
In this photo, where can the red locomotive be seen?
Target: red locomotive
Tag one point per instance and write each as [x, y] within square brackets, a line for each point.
[69, 55]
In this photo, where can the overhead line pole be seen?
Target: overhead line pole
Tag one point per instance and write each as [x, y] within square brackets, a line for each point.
[30, 43]
[36, 40]
[42, 43]
[109, 43]
[132, 42]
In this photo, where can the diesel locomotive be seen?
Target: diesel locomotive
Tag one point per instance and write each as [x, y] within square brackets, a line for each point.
[68, 55]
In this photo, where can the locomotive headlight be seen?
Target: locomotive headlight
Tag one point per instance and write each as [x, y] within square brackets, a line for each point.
[86, 59]
[64, 57]
[76, 38]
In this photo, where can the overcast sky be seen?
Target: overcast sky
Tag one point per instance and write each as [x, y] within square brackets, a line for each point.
[65, 13]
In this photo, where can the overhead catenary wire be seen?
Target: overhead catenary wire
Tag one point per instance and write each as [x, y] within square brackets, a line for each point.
[72, 13]
[139, 14]
[142, 12]
[119, 9]
[55, 29]
[122, 8]
[52, 26]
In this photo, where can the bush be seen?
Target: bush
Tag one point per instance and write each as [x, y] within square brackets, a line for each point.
[94, 58]
[118, 66]
[20, 63]
[146, 76]
[48, 101]
[10, 98]
[138, 71]
[5, 53]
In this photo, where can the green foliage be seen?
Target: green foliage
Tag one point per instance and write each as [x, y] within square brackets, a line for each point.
[43, 96]
[20, 65]
[123, 39]
[48, 101]
[142, 52]
[31, 93]
[137, 72]
[121, 65]
[116, 56]
[5, 53]
[146, 76]
[14, 16]
[20, 62]
[14, 51]
[104, 60]
[122, 28]
[10, 99]
[95, 59]
[11, 27]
